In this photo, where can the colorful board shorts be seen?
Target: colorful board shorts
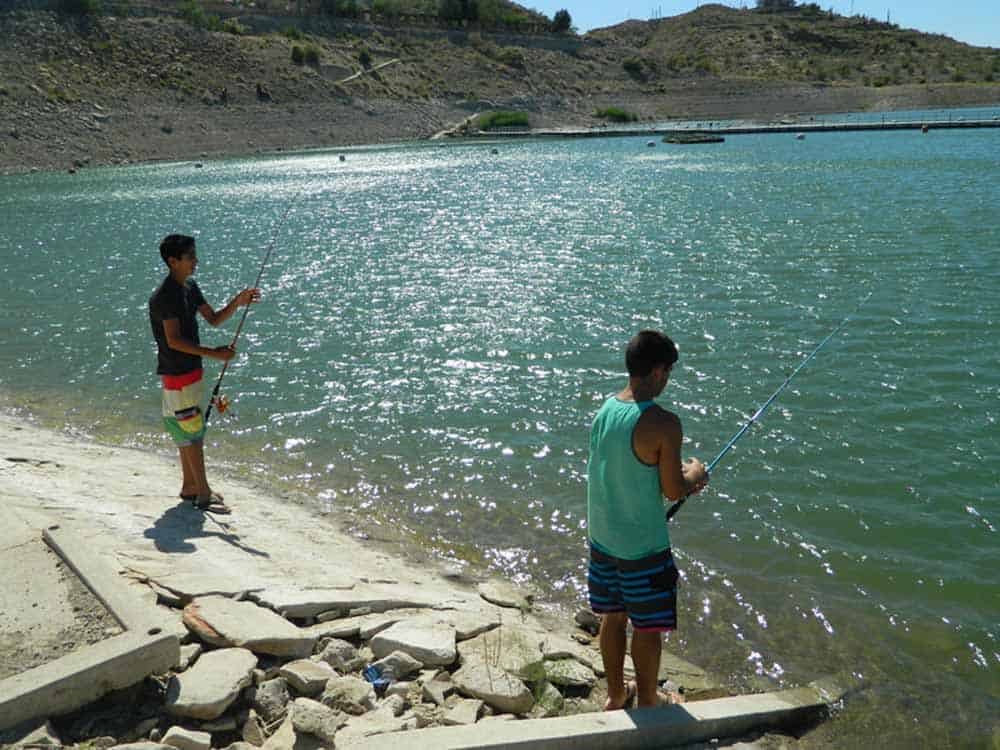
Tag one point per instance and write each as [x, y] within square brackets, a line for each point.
[645, 589]
[182, 407]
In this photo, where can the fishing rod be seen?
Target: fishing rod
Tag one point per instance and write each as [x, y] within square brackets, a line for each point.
[672, 511]
[215, 399]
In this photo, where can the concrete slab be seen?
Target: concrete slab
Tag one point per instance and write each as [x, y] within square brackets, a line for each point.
[642, 729]
[83, 676]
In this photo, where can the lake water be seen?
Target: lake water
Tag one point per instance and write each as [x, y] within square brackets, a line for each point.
[440, 324]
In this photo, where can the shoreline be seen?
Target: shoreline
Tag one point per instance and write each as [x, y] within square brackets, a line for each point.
[112, 497]
[70, 137]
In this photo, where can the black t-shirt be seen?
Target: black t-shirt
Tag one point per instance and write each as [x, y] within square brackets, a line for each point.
[180, 301]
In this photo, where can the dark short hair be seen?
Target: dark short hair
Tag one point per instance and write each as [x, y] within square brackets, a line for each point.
[175, 245]
[646, 350]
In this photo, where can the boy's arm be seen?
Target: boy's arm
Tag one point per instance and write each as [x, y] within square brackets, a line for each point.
[246, 297]
[172, 331]
[677, 479]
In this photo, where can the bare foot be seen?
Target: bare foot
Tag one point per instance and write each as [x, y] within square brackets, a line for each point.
[669, 698]
[622, 700]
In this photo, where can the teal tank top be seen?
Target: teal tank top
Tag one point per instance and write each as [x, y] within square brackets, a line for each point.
[625, 510]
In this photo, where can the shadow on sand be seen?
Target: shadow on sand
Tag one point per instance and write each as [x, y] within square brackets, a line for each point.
[173, 531]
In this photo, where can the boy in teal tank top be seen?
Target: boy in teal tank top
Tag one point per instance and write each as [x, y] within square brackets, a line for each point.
[635, 461]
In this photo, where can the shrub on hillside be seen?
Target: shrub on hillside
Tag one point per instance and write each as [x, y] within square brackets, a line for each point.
[616, 114]
[312, 55]
[633, 66]
[502, 119]
[562, 22]
[298, 55]
[293, 33]
[194, 14]
[365, 58]
[232, 26]
[511, 56]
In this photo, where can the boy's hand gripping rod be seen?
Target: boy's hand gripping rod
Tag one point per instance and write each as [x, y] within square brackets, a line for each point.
[246, 310]
[672, 511]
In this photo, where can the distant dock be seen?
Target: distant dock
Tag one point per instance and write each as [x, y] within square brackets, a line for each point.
[796, 128]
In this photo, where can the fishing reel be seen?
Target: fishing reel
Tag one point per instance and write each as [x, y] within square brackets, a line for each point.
[221, 403]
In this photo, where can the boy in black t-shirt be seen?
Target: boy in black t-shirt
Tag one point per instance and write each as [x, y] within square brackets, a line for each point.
[172, 315]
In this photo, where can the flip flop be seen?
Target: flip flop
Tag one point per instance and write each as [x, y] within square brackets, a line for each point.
[670, 698]
[631, 690]
[212, 504]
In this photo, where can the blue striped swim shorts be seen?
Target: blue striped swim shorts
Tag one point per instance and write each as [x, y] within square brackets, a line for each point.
[645, 589]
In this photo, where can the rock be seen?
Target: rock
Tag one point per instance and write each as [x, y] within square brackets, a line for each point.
[341, 655]
[377, 722]
[189, 655]
[102, 743]
[548, 700]
[436, 692]
[187, 739]
[587, 620]
[349, 694]
[469, 624]
[511, 648]
[270, 698]
[504, 594]
[253, 730]
[570, 673]
[312, 717]
[240, 746]
[143, 746]
[466, 711]
[427, 715]
[207, 689]
[397, 665]
[307, 677]
[429, 644]
[295, 602]
[43, 734]
[503, 691]
[222, 621]
[396, 704]
[401, 688]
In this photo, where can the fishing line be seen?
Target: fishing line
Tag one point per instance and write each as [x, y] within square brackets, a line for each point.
[672, 511]
[215, 399]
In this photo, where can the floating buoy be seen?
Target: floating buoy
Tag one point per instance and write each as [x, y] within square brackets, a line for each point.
[494, 151]
[343, 158]
[924, 129]
[800, 137]
[651, 144]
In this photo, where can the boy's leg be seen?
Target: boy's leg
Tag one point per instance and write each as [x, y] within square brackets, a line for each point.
[193, 463]
[612, 640]
[188, 485]
[646, 648]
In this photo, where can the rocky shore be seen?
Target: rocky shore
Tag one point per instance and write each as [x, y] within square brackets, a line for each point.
[292, 631]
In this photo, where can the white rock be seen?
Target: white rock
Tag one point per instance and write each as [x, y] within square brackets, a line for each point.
[376, 722]
[295, 602]
[429, 644]
[312, 717]
[349, 694]
[207, 689]
[436, 692]
[226, 622]
[548, 700]
[307, 677]
[511, 648]
[504, 594]
[466, 711]
[270, 698]
[501, 690]
[341, 655]
[189, 655]
[187, 739]
[397, 665]
[569, 672]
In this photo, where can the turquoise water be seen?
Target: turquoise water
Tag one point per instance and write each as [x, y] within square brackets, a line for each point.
[440, 324]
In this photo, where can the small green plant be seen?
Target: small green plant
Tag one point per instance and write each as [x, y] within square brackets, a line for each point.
[293, 33]
[502, 119]
[298, 55]
[232, 26]
[79, 7]
[616, 114]
[365, 58]
[312, 55]
[511, 56]
[633, 66]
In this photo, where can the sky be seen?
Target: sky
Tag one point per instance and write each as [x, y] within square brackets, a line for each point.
[971, 21]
